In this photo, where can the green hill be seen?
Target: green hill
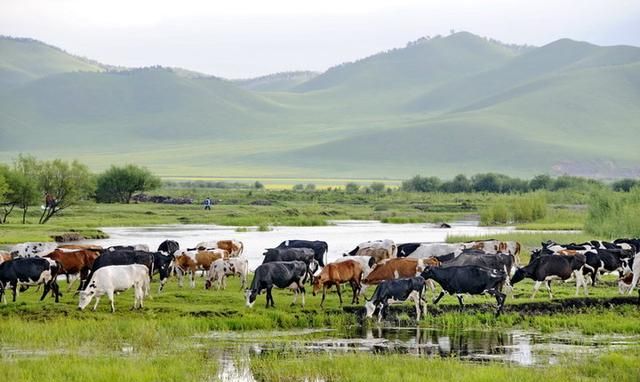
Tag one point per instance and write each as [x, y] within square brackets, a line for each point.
[23, 59]
[444, 105]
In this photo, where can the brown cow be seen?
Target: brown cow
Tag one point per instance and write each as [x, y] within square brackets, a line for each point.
[234, 247]
[398, 268]
[74, 262]
[378, 254]
[205, 258]
[95, 248]
[184, 264]
[337, 273]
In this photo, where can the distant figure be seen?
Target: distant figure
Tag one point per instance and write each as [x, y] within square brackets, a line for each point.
[207, 204]
[445, 225]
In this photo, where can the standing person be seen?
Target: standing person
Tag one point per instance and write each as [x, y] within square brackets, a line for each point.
[207, 204]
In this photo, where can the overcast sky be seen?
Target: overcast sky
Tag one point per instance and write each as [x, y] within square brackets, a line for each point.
[244, 38]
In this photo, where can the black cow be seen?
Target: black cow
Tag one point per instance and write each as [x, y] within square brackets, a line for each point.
[282, 274]
[406, 249]
[29, 271]
[545, 268]
[169, 246]
[501, 261]
[306, 255]
[397, 290]
[320, 248]
[471, 279]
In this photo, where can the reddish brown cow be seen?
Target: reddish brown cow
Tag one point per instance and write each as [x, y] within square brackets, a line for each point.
[5, 256]
[337, 273]
[74, 262]
[94, 248]
[398, 269]
[186, 264]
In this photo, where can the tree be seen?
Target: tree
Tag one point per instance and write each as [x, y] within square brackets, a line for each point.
[310, 187]
[421, 184]
[118, 184]
[298, 187]
[351, 187]
[4, 191]
[459, 184]
[486, 183]
[624, 185]
[377, 187]
[65, 184]
[258, 185]
[24, 184]
[541, 182]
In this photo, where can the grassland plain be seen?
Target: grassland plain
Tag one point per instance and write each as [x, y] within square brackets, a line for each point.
[160, 342]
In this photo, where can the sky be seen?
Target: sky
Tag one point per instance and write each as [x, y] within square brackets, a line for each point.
[247, 38]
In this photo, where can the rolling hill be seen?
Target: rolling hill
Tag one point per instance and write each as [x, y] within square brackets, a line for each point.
[444, 105]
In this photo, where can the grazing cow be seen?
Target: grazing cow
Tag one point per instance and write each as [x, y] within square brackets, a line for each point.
[306, 255]
[29, 271]
[394, 291]
[388, 245]
[32, 249]
[398, 269]
[135, 247]
[235, 248]
[282, 274]
[546, 268]
[320, 248]
[169, 246]
[336, 274]
[125, 257]
[220, 269]
[427, 250]
[185, 263]
[74, 262]
[116, 278]
[471, 279]
[5, 256]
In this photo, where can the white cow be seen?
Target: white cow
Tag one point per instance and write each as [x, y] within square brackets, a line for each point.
[33, 249]
[116, 278]
[426, 250]
[220, 269]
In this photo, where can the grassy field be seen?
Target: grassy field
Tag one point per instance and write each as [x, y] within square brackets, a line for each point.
[151, 344]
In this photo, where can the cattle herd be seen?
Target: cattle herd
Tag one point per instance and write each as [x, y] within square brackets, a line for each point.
[399, 272]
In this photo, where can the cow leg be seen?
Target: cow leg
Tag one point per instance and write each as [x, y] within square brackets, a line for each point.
[460, 301]
[56, 289]
[536, 286]
[354, 289]
[381, 311]
[302, 291]
[437, 299]
[95, 306]
[295, 297]
[46, 289]
[500, 298]
[431, 285]
[339, 293]
[580, 281]
[415, 296]
[636, 276]
[548, 285]
[179, 275]
[269, 297]
[14, 289]
[193, 279]
[111, 300]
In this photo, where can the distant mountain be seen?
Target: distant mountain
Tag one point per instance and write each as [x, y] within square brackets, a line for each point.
[444, 105]
[276, 82]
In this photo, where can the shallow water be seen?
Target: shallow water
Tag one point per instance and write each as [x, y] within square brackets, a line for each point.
[342, 236]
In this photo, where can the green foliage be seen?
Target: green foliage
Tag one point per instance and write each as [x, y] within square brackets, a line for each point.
[614, 215]
[377, 187]
[625, 185]
[421, 184]
[351, 188]
[67, 182]
[118, 184]
[258, 185]
[520, 209]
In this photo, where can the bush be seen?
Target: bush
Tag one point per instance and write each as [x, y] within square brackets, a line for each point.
[614, 215]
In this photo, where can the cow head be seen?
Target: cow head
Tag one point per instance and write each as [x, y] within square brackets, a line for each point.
[518, 276]
[251, 295]
[87, 295]
[317, 284]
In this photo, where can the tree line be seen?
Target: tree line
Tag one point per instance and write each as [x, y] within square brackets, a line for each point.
[56, 185]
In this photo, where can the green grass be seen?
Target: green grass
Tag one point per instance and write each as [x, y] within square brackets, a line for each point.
[613, 366]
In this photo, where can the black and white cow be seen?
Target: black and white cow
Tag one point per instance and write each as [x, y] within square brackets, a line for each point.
[545, 268]
[306, 255]
[406, 249]
[135, 247]
[469, 279]
[33, 249]
[169, 246]
[320, 248]
[600, 261]
[281, 274]
[28, 272]
[396, 291]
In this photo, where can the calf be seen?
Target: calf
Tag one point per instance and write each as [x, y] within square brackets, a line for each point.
[320, 248]
[74, 262]
[116, 278]
[220, 269]
[29, 271]
[336, 274]
[546, 268]
[471, 279]
[393, 291]
[282, 274]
